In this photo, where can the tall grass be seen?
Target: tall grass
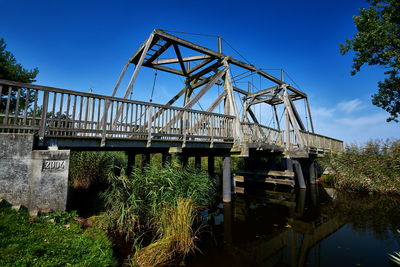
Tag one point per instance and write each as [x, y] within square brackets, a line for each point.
[91, 167]
[175, 236]
[134, 202]
[373, 167]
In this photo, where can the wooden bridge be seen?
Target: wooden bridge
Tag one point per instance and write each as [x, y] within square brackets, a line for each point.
[58, 113]
[70, 119]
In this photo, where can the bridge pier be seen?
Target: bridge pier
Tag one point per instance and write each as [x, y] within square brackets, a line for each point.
[299, 174]
[226, 180]
[197, 162]
[312, 171]
[131, 162]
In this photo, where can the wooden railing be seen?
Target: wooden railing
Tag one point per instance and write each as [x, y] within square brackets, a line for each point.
[315, 141]
[54, 112]
[259, 133]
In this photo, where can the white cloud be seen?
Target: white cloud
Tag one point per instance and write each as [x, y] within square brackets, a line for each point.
[349, 106]
[323, 112]
[371, 120]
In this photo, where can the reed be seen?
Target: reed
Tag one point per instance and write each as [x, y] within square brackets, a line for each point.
[135, 202]
[176, 237]
[372, 167]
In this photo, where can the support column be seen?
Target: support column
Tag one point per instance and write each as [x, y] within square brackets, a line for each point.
[197, 162]
[289, 164]
[312, 171]
[226, 180]
[299, 174]
[131, 162]
[211, 166]
[183, 159]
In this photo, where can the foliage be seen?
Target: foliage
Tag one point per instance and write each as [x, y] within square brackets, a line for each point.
[374, 167]
[133, 203]
[62, 217]
[175, 236]
[11, 70]
[377, 42]
[26, 241]
[90, 167]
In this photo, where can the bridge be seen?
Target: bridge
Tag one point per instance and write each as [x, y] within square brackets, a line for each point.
[69, 119]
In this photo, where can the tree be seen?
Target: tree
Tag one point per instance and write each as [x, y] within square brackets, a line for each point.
[11, 70]
[377, 42]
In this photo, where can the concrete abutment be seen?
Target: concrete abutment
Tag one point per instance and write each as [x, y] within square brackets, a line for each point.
[37, 179]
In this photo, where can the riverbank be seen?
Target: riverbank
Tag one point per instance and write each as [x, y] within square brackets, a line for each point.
[50, 240]
[373, 167]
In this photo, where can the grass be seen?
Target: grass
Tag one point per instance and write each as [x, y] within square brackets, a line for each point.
[27, 241]
[372, 167]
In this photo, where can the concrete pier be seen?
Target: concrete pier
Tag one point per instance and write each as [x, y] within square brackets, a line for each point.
[226, 180]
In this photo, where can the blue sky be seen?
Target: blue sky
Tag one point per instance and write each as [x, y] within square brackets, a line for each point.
[79, 45]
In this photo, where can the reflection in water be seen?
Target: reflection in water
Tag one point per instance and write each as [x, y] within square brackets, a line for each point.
[302, 228]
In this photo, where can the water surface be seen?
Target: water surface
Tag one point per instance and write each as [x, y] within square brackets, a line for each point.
[314, 227]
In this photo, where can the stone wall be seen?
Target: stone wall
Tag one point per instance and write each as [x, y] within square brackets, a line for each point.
[37, 179]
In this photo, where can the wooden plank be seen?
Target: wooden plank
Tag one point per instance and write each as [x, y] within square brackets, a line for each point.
[239, 190]
[280, 181]
[285, 173]
[176, 60]
[157, 54]
[200, 65]
[239, 178]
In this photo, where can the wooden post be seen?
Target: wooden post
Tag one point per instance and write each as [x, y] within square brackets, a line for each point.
[197, 162]
[131, 162]
[299, 174]
[183, 159]
[289, 164]
[211, 166]
[226, 179]
[312, 171]
[227, 211]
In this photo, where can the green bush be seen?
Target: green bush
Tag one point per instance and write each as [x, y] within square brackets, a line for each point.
[89, 167]
[374, 167]
[26, 241]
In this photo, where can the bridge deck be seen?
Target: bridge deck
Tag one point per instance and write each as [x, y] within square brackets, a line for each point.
[64, 114]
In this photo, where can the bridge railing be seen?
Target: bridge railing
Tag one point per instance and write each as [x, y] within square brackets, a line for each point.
[254, 132]
[316, 141]
[54, 112]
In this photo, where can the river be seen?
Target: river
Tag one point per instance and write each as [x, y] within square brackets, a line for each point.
[313, 227]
